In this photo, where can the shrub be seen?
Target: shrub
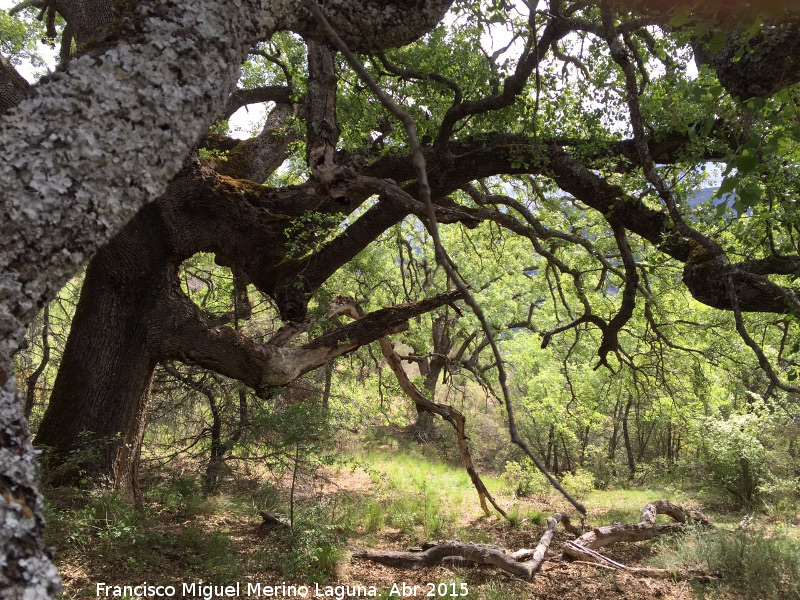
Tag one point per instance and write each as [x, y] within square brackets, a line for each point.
[578, 484]
[733, 456]
[524, 479]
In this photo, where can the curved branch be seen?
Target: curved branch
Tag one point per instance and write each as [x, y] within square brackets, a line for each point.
[422, 76]
[512, 87]
[279, 94]
[181, 331]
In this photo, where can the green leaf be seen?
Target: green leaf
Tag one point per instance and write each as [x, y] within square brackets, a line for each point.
[727, 186]
[681, 16]
[750, 194]
[718, 41]
[747, 162]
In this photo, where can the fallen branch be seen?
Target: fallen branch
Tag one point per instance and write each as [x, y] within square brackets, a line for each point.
[588, 555]
[583, 548]
[461, 553]
[645, 529]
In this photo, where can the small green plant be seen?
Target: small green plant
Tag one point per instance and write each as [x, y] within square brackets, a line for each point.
[536, 518]
[211, 155]
[312, 549]
[76, 468]
[501, 590]
[524, 480]
[106, 527]
[514, 517]
[374, 516]
[210, 553]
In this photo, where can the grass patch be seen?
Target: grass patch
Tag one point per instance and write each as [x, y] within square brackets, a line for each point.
[422, 497]
[625, 505]
[210, 553]
[759, 564]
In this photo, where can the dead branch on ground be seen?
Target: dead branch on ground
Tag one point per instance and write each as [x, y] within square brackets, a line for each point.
[525, 563]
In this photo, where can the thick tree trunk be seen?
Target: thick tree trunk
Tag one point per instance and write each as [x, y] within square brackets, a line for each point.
[423, 428]
[100, 397]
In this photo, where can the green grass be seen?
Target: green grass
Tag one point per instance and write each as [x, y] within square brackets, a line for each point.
[625, 505]
[759, 564]
[421, 496]
[210, 553]
[412, 469]
[415, 496]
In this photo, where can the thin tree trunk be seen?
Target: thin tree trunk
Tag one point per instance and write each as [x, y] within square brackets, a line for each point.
[626, 436]
[30, 392]
[584, 445]
[567, 461]
[215, 460]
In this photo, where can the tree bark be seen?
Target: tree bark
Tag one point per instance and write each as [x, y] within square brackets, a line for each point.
[13, 87]
[100, 396]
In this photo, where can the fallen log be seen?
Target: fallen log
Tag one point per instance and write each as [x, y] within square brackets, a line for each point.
[583, 548]
[645, 529]
[664, 507]
[525, 563]
[461, 553]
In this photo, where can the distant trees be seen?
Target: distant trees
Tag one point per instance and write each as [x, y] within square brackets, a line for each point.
[579, 142]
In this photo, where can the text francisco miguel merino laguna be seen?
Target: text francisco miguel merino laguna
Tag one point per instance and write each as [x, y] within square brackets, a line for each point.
[254, 590]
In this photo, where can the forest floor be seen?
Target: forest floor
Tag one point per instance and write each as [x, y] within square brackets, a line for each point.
[181, 536]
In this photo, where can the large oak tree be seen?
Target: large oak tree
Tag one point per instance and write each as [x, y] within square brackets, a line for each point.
[100, 166]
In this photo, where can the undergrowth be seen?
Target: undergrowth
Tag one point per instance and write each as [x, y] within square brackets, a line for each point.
[182, 531]
[760, 564]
